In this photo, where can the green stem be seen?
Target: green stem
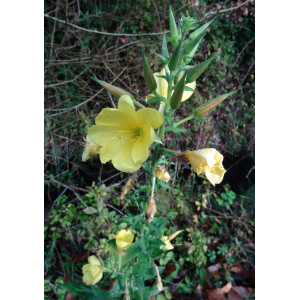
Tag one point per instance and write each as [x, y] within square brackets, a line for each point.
[120, 261]
[184, 120]
[138, 103]
[172, 151]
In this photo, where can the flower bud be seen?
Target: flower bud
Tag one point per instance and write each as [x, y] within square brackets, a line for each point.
[199, 30]
[175, 58]
[164, 47]
[177, 95]
[149, 78]
[115, 91]
[206, 107]
[173, 27]
[197, 71]
[151, 209]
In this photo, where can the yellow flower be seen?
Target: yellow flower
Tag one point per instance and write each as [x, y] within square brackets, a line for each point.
[167, 240]
[90, 149]
[162, 174]
[124, 239]
[92, 272]
[208, 161]
[168, 245]
[125, 134]
[162, 87]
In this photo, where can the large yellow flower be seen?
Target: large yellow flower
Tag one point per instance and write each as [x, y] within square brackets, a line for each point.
[162, 87]
[90, 149]
[125, 134]
[208, 161]
[92, 272]
[124, 239]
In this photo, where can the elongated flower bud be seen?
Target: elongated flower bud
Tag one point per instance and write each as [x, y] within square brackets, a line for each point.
[197, 71]
[177, 95]
[206, 107]
[175, 58]
[149, 78]
[199, 30]
[191, 45]
[115, 91]
[159, 285]
[173, 27]
[151, 209]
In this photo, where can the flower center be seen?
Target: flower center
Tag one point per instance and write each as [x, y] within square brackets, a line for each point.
[138, 132]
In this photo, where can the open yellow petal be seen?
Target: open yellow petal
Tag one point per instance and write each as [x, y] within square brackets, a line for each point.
[140, 150]
[152, 115]
[123, 160]
[215, 174]
[87, 278]
[186, 94]
[98, 277]
[149, 97]
[85, 268]
[93, 260]
[125, 104]
[162, 84]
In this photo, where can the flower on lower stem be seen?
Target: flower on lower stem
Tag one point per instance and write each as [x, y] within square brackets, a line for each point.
[124, 239]
[167, 240]
[208, 161]
[125, 134]
[162, 87]
[92, 272]
[151, 209]
[90, 149]
[162, 174]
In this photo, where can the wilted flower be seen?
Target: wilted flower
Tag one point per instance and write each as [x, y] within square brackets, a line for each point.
[208, 161]
[167, 240]
[90, 149]
[162, 174]
[162, 87]
[128, 185]
[159, 285]
[151, 209]
[124, 239]
[125, 134]
[92, 272]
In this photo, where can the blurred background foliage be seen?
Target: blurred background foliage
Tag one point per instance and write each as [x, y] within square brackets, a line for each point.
[219, 221]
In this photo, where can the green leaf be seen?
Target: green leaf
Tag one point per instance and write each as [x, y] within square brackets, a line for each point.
[133, 251]
[202, 274]
[90, 210]
[127, 220]
[231, 195]
[169, 119]
[76, 289]
[178, 129]
[136, 222]
[154, 252]
[155, 241]
[155, 100]
[143, 244]
[157, 226]
[163, 184]
[143, 264]
[112, 244]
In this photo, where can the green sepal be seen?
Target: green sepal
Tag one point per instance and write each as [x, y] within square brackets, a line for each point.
[174, 42]
[148, 75]
[175, 58]
[198, 70]
[164, 60]
[187, 58]
[192, 44]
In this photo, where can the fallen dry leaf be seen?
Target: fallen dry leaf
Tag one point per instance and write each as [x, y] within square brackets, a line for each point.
[218, 294]
[240, 293]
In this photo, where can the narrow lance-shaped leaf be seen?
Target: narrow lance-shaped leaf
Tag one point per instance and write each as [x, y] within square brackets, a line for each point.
[206, 107]
[175, 58]
[191, 45]
[149, 78]
[173, 27]
[164, 47]
[177, 95]
[115, 91]
[198, 70]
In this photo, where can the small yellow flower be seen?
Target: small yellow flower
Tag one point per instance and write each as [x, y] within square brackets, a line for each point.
[92, 272]
[162, 174]
[90, 149]
[168, 245]
[167, 240]
[125, 134]
[162, 87]
[124, 239]
[208, 161]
